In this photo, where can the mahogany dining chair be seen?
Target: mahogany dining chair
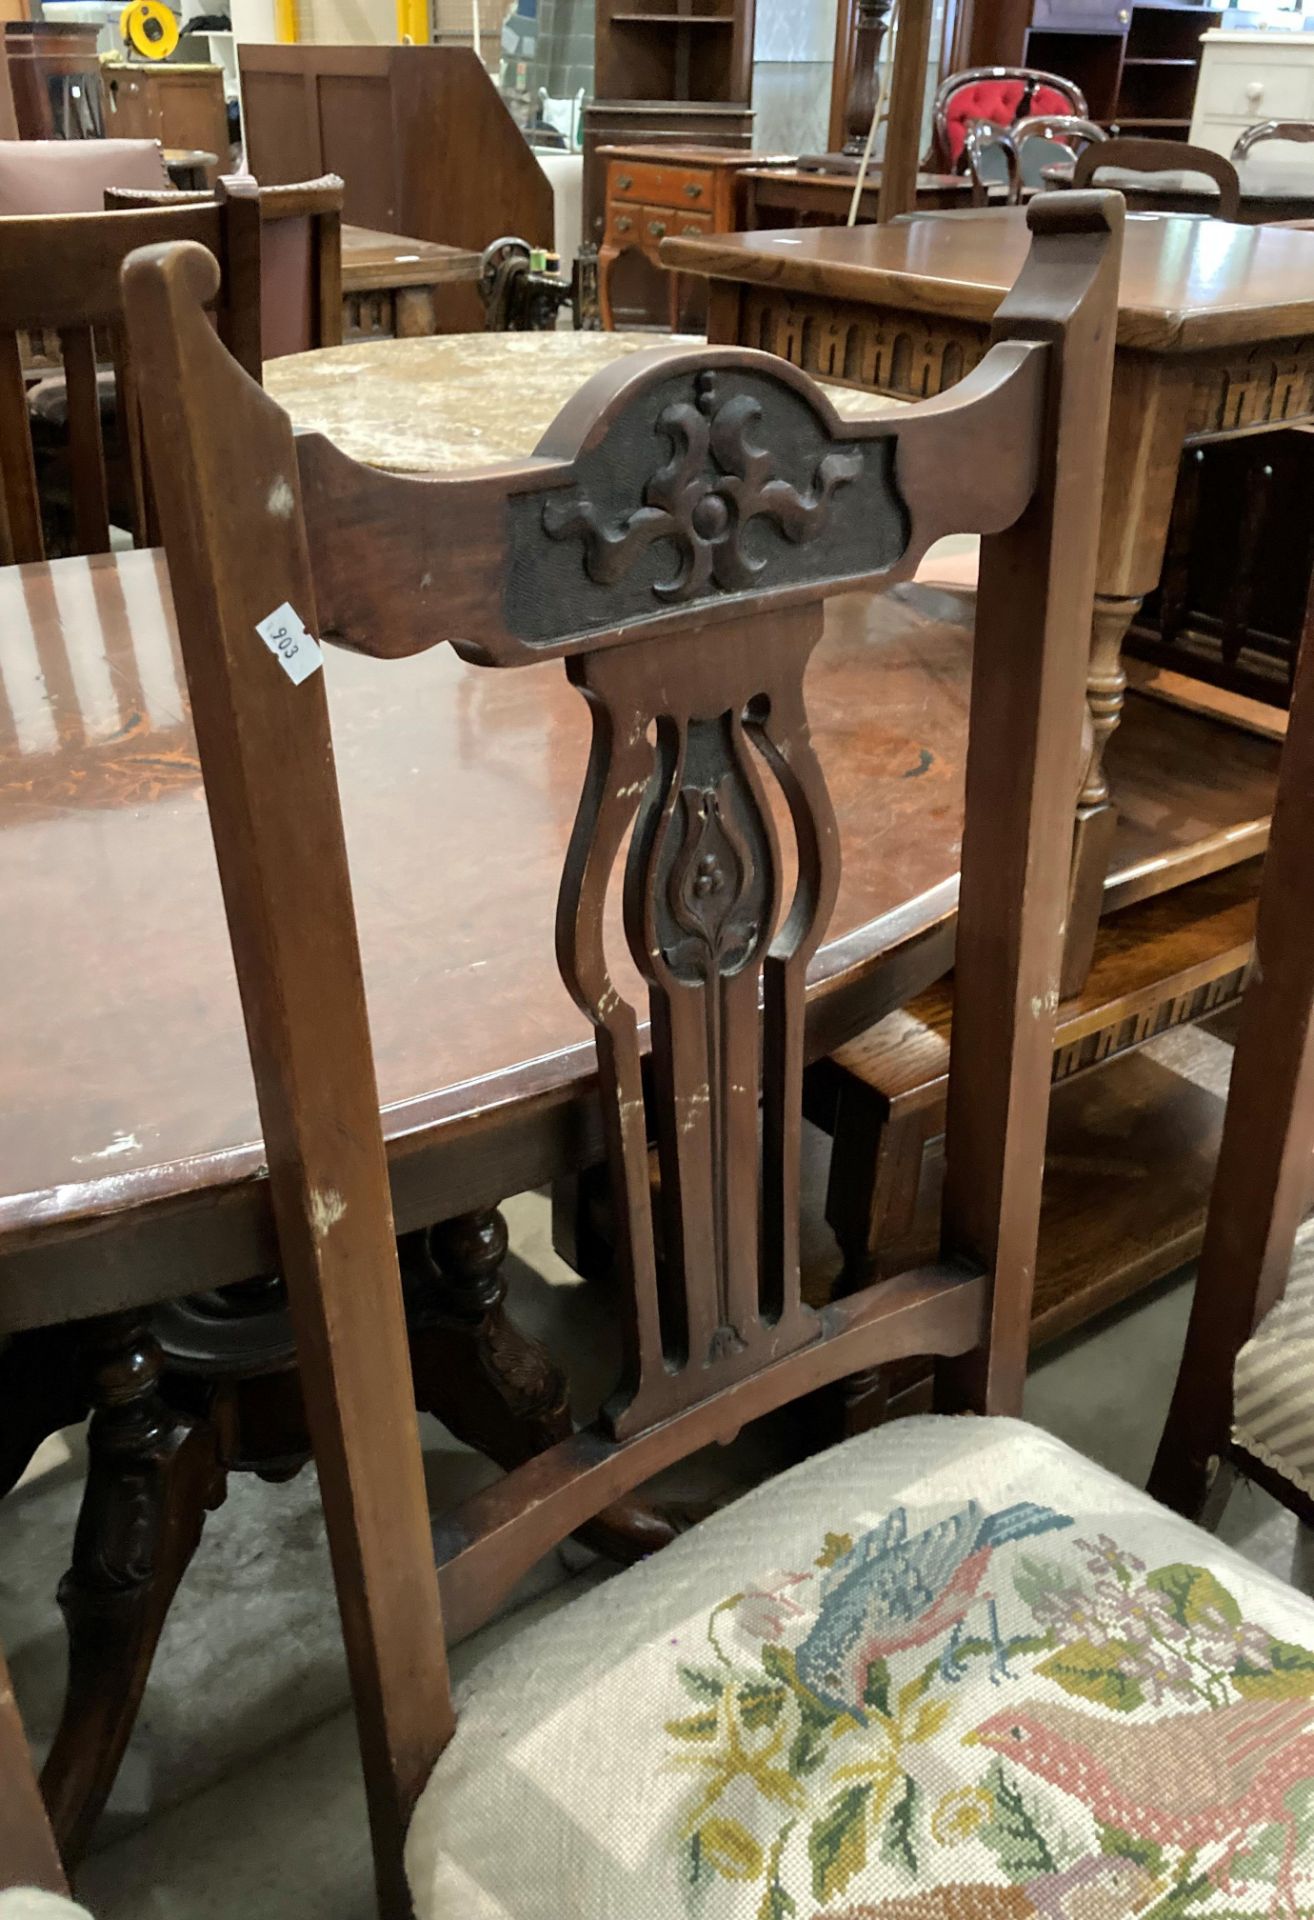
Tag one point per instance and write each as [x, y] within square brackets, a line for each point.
[874, 1679]
[61, 310]
[300, 257]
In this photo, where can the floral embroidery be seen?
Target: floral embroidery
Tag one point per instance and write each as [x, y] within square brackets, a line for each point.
[981, 1714]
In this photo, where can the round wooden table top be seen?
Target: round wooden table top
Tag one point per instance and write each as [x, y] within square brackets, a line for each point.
[498, 393]
[126, 1097]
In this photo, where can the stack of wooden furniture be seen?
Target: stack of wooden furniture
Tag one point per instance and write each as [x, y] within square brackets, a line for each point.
[419, 135]
[666, 73]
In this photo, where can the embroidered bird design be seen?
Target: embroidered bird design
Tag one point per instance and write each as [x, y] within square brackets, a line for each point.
[1187, 1780]
[890, 1592]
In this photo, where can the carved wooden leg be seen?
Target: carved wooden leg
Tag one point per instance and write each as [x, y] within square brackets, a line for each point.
[1097, 816]
[494, 1386]
[150, 1477]
[490, 1383]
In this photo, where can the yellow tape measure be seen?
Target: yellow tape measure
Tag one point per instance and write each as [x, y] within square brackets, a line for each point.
[149, 28]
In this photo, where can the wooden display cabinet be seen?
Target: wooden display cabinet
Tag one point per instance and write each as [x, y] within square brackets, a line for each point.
[1136, 61]
[669, 73]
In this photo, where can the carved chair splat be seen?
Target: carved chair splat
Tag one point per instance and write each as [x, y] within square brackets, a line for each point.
[672, 541]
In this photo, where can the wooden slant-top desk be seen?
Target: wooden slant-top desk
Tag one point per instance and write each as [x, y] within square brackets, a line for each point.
[1215, 336]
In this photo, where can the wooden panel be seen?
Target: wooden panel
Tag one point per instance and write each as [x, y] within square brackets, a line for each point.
[356, 138]
[282, 134]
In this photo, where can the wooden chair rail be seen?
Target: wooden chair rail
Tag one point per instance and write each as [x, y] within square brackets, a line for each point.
[491, 1540]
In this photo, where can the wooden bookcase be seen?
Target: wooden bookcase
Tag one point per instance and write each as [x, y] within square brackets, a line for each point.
[676, 50]
[1136, 61]
[669, 73]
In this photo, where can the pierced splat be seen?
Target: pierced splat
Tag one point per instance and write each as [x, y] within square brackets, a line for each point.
[703, 921]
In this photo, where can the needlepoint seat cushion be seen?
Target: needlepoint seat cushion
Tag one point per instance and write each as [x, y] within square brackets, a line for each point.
[1273, 1382]
[947, 1671]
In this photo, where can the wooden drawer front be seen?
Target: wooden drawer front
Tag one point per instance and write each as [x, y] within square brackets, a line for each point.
[690, 222]
[624, 225]
[659, 186]
[1251, 90]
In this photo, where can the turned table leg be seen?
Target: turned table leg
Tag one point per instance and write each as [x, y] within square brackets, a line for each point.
[1148, 418]
[151, 1475]
[496, 1388]
[1097, 816]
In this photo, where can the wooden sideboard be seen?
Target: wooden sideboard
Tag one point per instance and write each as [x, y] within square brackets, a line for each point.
[419, 135]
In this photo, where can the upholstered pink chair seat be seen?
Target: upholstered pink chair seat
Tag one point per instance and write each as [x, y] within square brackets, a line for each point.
[999, 102]
[70, 176]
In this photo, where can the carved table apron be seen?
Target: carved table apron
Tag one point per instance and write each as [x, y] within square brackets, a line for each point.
[128, 1135]
[1215, 336]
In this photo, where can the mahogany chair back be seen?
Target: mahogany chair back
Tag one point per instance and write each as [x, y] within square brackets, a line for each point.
[61, 308]
[1297, 130]
[1163, 156]
[300, 259]
[1262, 1185]
[1000, 96]
[671, 543]
[28, 1855]
[1016, 157]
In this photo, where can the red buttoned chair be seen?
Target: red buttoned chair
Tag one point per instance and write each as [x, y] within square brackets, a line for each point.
[999, 97]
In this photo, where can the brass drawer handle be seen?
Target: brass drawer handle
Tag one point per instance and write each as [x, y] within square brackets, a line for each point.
[624, 181]
[624, 224]
[693, 190]
[690, 228]
[656, 228]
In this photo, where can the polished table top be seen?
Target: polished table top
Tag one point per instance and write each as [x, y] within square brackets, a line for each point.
[376, 260]
[1186, 283]
[125, 1079]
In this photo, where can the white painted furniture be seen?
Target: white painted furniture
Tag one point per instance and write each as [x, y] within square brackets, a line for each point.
[1249, 77]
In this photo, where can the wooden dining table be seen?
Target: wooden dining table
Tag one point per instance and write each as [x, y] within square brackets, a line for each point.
[138, 1261]
[1215, 336]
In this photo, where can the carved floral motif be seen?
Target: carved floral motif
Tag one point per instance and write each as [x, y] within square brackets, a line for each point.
[716, 483]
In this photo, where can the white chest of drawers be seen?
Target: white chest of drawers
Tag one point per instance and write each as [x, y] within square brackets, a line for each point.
[1249, 77]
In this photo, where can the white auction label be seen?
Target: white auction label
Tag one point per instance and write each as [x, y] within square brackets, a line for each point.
[298, 652]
